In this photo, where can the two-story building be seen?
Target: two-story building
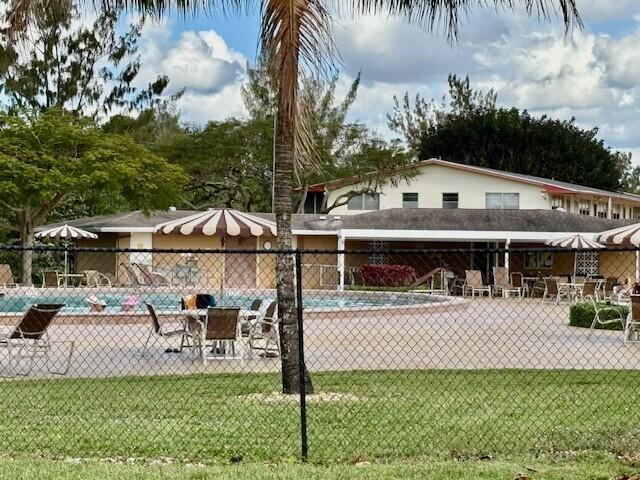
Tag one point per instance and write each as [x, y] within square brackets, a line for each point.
[441, 184]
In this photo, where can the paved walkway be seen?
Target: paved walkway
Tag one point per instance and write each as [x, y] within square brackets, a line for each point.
[488, 333]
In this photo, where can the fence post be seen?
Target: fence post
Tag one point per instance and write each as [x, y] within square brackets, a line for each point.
[304, 447]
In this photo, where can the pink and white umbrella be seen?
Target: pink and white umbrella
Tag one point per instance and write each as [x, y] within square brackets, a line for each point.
[575, 242]
[629, 235]
[223, 222]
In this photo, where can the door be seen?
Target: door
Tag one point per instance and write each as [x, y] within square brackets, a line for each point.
[240, 268]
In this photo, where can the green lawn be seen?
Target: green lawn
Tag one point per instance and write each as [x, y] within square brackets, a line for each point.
[579, 468]
[407, 416]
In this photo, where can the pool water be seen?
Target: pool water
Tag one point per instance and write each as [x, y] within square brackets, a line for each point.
[168, 302]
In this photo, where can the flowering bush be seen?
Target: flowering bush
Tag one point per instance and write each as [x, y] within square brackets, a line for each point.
[387, 275]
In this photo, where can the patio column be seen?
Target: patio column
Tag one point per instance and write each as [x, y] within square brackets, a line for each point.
[637, 266]
[609, 207]
[341, 244]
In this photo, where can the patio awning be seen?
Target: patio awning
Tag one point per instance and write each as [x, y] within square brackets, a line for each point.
[221, 222]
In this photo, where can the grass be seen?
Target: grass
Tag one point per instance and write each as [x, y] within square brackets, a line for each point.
[578, 468]
[406, 416]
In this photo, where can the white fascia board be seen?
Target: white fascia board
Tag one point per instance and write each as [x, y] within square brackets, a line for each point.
[453, 235]
[332, 233]
[126, 229]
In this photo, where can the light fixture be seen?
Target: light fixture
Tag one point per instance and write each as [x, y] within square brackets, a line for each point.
[266, 245]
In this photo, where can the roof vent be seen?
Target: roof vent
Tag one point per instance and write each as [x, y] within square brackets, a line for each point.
[323, 217]
[337, 217]
[172, 208]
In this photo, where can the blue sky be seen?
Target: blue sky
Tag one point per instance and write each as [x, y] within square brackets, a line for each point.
[591, 75]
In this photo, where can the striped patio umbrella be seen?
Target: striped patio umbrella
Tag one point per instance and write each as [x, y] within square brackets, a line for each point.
[223, 222]
[66, 233]
[574, 242]
[628, 235]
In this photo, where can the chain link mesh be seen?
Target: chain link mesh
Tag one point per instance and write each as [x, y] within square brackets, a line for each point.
[411, 353]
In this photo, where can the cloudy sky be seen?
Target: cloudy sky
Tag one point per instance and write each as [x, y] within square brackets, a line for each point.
[592, 75]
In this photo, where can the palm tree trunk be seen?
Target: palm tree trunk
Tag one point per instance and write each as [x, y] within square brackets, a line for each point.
[284, 262]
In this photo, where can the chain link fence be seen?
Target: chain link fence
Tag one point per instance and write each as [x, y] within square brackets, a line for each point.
[409, 353]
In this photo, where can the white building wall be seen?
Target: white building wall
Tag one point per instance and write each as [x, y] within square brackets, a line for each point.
[434, 180]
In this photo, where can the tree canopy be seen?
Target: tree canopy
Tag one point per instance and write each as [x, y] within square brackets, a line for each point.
[47, 158]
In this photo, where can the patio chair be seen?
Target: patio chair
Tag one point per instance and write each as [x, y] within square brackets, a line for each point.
[517, 281]
[633, 321]
[50, 278]
[433, 282]
[501, 283]
[150, 277]
[264, 335]
[94, 279]
[6, 276]
[588, 291]
[133, 279]
[599, 318]
[552, 290]
[158, 332]
[31, 340]
[220, 331]
[245, 326]
[473, 283]
[538, 288]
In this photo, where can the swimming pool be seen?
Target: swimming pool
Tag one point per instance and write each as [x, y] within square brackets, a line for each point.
[75, 303]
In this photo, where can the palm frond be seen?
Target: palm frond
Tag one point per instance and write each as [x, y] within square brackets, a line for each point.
[447, 14]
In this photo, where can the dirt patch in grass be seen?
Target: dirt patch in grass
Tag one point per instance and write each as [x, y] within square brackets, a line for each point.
[320, 397]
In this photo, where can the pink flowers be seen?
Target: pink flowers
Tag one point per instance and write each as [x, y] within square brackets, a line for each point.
[388, 275]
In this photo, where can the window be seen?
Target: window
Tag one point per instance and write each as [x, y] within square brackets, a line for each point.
[538, 261]
[409, 200]
[584, 208]
[502, 201]
[557, 202]
[313, 202]
[635, 213]
[364, 201]
[601, 210]
[616, 211]
[449, 200]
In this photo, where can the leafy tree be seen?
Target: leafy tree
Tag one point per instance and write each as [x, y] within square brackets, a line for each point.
[47, 158]
[513, 140]
[296, 36]
[85, 70]
[412, 121]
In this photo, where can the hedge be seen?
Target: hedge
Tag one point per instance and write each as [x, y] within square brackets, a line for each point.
[581, 315]
[387, 275]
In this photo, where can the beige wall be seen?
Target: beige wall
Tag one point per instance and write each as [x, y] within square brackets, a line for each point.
[434, 180]
[319, 270]
[621, 265]
[104, 262]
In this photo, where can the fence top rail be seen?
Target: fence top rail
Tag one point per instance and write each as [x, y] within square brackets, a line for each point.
[302, 251]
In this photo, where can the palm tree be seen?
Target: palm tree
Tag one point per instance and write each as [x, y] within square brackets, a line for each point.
[296, 38]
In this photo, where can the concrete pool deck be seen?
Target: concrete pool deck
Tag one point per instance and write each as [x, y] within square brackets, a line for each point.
[486, 333]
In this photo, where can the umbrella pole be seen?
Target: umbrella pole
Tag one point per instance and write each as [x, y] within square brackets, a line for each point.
[66, 262]
[575, 265]
[224, 266]
[637, 266]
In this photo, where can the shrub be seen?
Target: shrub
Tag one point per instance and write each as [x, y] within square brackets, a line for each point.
[387, 275]
[581, 315]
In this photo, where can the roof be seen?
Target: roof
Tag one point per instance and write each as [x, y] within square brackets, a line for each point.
[423, 219]
[550, 185]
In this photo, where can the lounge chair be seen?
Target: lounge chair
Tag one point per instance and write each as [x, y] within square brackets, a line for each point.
[50, 278]
[552, 291]
[29, 339]
[94, 278]
[609, 284]
[598, 318]
[220, 331]
[502, 284]
[433, 282]
[133, 278]
[264, 335]
[149, 277]
[6, 276]
[473, 283]
[157, 330]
